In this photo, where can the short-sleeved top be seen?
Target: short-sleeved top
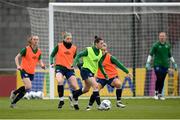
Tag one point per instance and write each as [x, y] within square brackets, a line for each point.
[30, 58]
[110, 63]
[64, 56]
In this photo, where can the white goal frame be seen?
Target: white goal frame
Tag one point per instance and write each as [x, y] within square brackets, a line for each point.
[52, 8]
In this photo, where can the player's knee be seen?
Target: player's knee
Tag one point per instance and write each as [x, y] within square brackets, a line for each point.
[59, 77]
[118, 85]
[74, 87]
[85, 90]
[95, 87]
[60, 81]
[27, 87]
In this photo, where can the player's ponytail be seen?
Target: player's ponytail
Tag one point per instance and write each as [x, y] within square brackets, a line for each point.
[97, 39]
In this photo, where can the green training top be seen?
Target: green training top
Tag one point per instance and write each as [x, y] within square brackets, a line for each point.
[161, 53]
[114, 61]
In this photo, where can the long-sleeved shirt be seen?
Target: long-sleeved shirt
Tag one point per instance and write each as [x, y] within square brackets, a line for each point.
[85, 53]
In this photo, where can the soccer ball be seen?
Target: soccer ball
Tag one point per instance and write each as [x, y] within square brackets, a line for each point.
[27, 96]
[39, 95]
[105, 104]
[34, 95]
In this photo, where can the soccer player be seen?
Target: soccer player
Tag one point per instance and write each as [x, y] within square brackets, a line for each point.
[110, 63]
[90, 57]
[65, 53]
[161, 51]
[30, 55]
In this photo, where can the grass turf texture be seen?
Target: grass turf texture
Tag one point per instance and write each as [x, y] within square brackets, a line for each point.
[47, 109]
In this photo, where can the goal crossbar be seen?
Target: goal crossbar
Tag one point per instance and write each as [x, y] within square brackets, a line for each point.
[117, 4]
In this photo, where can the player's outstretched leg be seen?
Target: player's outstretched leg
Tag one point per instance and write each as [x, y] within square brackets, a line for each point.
[61, 103]
[61, 96]
[12, 95]
[71, 101]
[74, 98]
[91, 101]
[74, 102]
[118, 95]
[21, 92]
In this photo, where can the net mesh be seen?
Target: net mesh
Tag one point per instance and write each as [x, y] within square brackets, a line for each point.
[128, 31]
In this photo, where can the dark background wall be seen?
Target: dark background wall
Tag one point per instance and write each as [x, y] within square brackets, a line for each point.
[15, 24]
[14, 28]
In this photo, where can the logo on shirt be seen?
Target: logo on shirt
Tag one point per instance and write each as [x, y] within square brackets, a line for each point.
[95, 59]
[34, 57]
[67, 53]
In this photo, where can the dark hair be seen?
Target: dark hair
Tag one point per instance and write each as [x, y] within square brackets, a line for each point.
[97, 39]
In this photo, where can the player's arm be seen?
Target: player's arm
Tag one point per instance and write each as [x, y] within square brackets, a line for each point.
[101, 66]
[75, 54]
[19, 55]
[41, 62]
[172, 59]
[152, 51]
[54, 52]
[79, 55]
[17, 61]
[115, 61]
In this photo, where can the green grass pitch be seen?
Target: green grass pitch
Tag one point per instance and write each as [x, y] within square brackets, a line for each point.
[47, 109]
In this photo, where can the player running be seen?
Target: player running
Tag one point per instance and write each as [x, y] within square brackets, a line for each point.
[110, 63]
[65, 53]
[30, 55]
[90, 57]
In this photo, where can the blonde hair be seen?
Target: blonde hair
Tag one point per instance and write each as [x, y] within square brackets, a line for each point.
[66, 34]
[30, 39]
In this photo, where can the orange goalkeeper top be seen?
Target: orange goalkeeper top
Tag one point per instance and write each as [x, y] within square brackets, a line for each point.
[109, 68]
[30, 60]
[64, 56]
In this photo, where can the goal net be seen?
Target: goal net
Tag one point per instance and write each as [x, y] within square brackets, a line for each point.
[129, 29]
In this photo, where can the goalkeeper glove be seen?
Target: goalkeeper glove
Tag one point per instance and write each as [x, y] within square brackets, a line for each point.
[175, 66]
[148, 66]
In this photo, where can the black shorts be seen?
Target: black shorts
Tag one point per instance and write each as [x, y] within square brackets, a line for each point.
[24, 74]
[103, 82]
[65, 72]
[86, 73]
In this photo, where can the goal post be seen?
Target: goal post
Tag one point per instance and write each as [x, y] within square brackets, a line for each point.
[129, 29]
[51, 46]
